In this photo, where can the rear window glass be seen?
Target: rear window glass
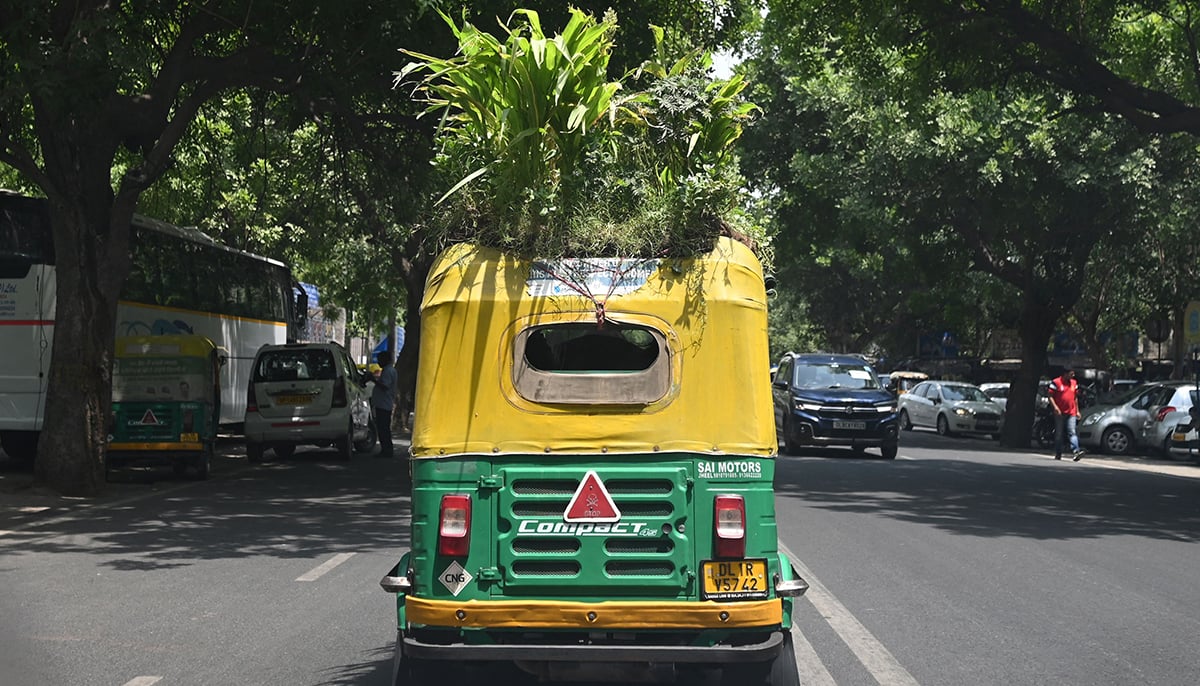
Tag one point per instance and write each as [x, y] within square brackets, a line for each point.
[582, 362]
[300, 364]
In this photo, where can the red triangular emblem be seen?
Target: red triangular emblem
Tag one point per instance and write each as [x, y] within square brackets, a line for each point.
[591, 502]
[149, 417]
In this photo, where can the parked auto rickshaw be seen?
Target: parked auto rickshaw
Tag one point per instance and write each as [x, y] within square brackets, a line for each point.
[592, 470]
[901, 382]
[166, 403]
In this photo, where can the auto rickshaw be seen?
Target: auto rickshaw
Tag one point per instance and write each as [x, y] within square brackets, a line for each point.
[592, 468]
[901, 382]
[166, 403]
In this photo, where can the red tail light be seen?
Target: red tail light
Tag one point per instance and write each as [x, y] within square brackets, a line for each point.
[1162, 413]
[454, 525]
[339, 392]
[251, 401]
[729, 526]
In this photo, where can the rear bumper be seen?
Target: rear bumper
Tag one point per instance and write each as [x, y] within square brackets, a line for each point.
[756, 651]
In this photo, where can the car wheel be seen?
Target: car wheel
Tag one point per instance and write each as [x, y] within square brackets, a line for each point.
[943, 426]
[905, 422]
[366, 444]
[781, 671]
[790, 446]
[284, 452]
[254, 452]
[1117, 440]
[889, 451]
[345, 445]
[203, 464]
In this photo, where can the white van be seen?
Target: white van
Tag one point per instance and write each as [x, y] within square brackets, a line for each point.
[307, 394]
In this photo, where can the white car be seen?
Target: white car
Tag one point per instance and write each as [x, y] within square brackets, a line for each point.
[950, 407]
[1159, 428]
[307, 394]
[997, 391]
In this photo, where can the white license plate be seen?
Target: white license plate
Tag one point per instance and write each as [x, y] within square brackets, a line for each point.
[852, 426]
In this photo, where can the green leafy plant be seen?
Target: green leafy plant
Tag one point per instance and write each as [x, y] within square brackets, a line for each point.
[544, 153]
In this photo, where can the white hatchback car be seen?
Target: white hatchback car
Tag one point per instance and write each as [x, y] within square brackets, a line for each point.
[307, 394]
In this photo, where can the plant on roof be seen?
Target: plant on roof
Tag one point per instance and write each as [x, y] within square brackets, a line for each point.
[543, 153]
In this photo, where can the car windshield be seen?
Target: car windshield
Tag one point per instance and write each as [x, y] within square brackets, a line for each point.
[968, 393]
[836, 375]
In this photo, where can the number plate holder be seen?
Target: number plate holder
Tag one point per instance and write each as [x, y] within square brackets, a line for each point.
[293, 399]
[851, 426]
[733, 579]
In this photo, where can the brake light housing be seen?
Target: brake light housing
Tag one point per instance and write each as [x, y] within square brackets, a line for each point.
[729, 526]
[1163, 412]
[454, 525]
[340, 399]
[251, 400]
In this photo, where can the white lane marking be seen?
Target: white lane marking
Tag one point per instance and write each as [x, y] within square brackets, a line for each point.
[143, 681]
[808, 663]
[325, 567]
[878, 660]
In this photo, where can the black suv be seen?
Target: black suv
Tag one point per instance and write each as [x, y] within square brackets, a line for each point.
[823, 399]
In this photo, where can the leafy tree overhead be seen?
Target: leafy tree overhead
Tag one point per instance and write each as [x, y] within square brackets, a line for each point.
[94, 100]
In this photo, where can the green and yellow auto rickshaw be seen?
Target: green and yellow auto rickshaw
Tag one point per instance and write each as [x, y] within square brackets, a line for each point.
[592, 469]
[166, 403]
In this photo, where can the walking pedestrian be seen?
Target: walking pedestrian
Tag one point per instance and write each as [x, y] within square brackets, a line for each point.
[383, 401]
[1062, 393]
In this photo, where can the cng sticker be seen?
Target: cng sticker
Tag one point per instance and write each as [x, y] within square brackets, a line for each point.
[150, 419]
[455, 578]
[591, 502]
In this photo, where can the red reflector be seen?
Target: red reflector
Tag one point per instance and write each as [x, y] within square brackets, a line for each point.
[729, 526]
[454, 525]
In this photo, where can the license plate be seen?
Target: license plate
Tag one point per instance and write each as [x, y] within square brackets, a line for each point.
[293, 400]
[734, 579]
[189, 438]
[852, 426]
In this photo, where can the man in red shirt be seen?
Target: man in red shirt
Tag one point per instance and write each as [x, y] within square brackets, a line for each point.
[1066, 411]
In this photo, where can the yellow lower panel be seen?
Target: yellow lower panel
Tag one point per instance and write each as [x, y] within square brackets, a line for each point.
[548, 614]
[131, 447]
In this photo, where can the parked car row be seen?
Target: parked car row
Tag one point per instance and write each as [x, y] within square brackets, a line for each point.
[1144, 417]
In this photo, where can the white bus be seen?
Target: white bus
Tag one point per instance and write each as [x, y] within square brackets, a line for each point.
[181, 281]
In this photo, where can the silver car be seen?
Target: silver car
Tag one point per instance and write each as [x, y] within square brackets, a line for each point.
[950, 407]
[1120, 428]
[1158, 429]
[307, 394]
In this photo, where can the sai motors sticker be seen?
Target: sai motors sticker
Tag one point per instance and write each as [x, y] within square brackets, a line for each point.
[729, 469]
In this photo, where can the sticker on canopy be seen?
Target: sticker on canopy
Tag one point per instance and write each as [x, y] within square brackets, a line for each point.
[591, 502]
[595, 277]
[455, 578]
[859, 374]
[729, 469]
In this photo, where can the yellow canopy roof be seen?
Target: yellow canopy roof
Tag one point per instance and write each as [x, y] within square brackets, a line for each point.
[710, 318]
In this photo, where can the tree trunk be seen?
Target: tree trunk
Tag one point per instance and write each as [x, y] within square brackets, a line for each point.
[79, 388]
[1036, 328]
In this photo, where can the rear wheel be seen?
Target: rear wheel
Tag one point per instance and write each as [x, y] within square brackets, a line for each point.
[285, 451]
[20, 445]
[781, 671]
[345, 445]
[905, 422]
[203, 463]
[254, 451]
[410, 672]
[366, 444]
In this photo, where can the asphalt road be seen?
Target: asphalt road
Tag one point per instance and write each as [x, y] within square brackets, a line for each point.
[955, 564]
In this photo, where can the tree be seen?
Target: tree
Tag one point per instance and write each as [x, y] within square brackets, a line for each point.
[94, 100]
